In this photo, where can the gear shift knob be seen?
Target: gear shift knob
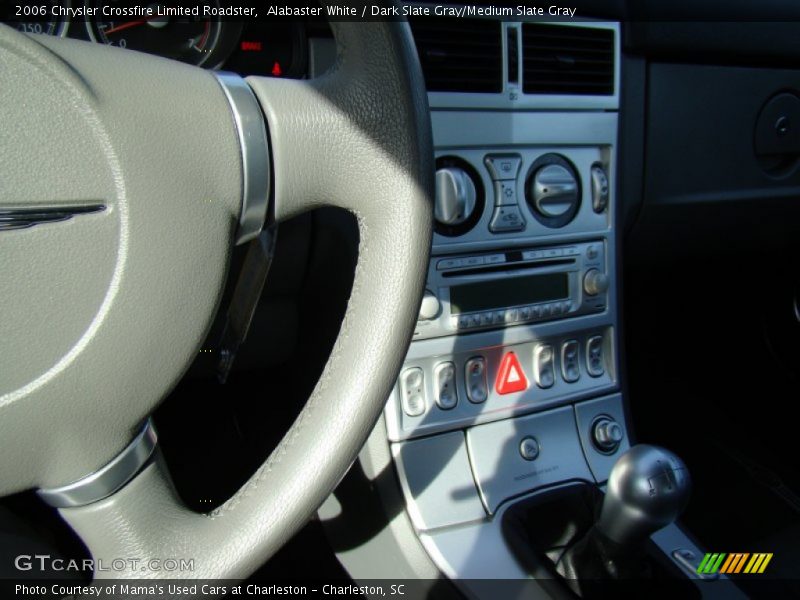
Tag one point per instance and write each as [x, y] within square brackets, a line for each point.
[647, 489]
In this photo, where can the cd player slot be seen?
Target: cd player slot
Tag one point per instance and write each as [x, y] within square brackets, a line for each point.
[516, 266]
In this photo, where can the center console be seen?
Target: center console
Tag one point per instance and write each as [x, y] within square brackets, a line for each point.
[511, 386]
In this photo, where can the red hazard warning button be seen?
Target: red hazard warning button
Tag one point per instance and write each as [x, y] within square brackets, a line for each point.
[510, 376]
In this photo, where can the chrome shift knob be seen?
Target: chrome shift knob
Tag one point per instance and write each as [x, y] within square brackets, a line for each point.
[648, 488]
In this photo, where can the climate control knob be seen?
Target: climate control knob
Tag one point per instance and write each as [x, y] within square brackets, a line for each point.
[553, 190]
[456, 196]
[595, 282]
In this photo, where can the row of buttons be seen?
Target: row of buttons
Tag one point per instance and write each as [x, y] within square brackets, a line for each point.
[512, 315]
[592, 252]
[470, 261]
[412, 380]
[507, 215]
[551, 253]
[544, 361]
[412, 386]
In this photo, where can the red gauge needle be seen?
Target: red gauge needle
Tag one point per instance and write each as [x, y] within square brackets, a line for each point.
[128, 25]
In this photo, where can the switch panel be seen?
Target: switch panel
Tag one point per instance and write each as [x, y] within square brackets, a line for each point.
[454, 389]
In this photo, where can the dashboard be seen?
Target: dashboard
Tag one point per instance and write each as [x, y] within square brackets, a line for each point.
[254, 47]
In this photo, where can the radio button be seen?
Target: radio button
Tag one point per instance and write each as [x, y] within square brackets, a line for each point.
[463, 322]
[571, 251]
[494, 259]
[444, 389]
[506, 218]
[544, 373]
[499, 317]
[511, 315]
[476, 381]
[448, 263]
[472, 261]
[486, 318]
[532, 255]
[412, 391]
[553, 253]
[536, 311]
[570, 364]
[524, 313]
[594, 356]
[502, 166]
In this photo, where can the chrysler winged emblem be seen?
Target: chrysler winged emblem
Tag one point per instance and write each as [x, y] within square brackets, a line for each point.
[21, 218]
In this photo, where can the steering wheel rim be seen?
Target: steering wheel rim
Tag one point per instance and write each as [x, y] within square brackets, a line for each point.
[364, 130]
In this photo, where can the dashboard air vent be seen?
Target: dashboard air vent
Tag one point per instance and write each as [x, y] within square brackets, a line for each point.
[560, 59]
[460, 55]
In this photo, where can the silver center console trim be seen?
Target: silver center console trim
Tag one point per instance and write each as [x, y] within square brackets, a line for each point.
[252, 132]
[108, 479]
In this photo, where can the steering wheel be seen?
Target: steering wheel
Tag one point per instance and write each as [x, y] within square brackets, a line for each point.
[126, 180]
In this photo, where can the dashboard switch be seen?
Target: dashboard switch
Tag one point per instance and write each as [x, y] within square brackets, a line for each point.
[444, 377]
[506, 218]
[412, 391]
[503, 166]
[510, 376]
[529, 448]
[594, 356]
[570, 363]
[544, 373]
[607, 434]
[505, 193]
[475, 379]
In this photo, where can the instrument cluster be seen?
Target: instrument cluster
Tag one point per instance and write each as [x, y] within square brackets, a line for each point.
[190, 32]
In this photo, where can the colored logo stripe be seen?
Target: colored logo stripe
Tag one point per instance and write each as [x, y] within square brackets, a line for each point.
[736, 562]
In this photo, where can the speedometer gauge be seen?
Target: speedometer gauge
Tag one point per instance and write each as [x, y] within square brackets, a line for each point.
[171, 29]
[36, 17]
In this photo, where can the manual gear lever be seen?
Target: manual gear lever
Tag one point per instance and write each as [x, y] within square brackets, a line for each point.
[647, 489]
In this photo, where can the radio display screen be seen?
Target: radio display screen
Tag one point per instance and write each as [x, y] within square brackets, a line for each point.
[501, 293]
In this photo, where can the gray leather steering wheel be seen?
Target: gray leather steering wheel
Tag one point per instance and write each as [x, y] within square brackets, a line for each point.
[104, 311]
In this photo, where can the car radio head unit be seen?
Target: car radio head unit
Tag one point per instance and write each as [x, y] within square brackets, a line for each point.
[501, 289]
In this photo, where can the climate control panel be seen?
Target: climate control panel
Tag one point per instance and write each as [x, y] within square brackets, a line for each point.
[521, 192]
